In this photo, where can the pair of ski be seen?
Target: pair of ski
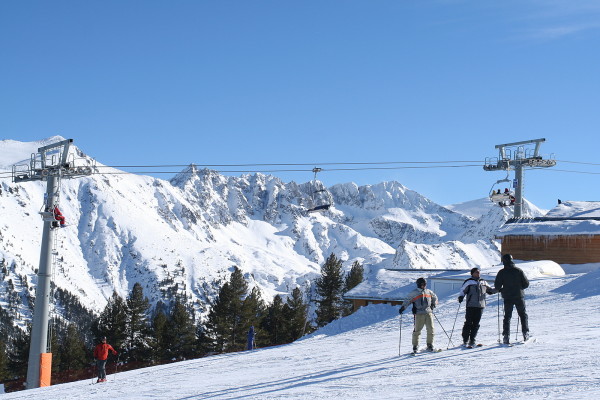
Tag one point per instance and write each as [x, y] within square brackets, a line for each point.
[530, 340]
[423, 351]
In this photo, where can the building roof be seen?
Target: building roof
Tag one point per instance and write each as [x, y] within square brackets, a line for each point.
[566, 219]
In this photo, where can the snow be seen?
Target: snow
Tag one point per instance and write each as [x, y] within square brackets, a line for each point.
[357, 358]
[474, 208]
[384, 284]
[576, 209]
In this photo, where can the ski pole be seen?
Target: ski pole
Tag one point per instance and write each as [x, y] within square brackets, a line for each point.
[116, 365]
[517, 332]
[453, 325]
[498, 307]
[442, 328]
[400, 338]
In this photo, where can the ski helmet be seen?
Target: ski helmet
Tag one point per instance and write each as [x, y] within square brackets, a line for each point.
[507, 258]
[421, 282]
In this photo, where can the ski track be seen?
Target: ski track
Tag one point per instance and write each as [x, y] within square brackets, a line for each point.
[363, 363]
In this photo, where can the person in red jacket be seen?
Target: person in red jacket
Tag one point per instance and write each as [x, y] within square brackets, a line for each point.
[101, 354]
[59, 218]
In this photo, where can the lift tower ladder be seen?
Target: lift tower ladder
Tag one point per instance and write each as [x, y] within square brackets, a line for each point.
[519, 159]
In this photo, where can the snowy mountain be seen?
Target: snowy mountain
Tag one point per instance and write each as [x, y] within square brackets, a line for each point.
[185, 235]
[365, 356]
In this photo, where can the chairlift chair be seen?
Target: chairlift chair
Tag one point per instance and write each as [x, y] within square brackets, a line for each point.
[319, 203]
[503, 199]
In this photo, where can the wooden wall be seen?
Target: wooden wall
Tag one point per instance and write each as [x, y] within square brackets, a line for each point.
[358, 303]
[574, 249]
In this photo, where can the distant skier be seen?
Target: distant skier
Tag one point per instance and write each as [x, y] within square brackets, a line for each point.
[101, 354]
[475, 290]
[423, 301]
[59, 218]
[511, 281]
[250, 345]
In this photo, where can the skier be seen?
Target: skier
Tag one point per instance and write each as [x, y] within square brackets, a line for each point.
[59, 218]
[101, 354]
[423, 301]
[511, 281]
[250, 345]
[475, 290]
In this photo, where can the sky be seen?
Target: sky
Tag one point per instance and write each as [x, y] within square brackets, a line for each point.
[314, 83]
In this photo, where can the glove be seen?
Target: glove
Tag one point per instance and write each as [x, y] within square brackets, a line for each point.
[401, 310]
[460, 298]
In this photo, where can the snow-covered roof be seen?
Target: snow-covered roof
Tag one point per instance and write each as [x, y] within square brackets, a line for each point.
[532, 269]
[567, 218]
[576, 209]
[390, 285]
[384, 285]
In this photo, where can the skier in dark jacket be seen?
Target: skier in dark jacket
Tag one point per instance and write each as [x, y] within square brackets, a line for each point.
[250, 345]
[511, 281]
[475, 290]
[101, 354]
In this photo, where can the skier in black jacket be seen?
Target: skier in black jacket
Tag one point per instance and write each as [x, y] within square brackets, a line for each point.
[511, 281]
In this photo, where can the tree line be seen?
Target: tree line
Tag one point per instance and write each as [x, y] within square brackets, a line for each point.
[146, 336]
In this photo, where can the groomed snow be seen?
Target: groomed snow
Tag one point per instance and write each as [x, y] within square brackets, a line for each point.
[357, 358]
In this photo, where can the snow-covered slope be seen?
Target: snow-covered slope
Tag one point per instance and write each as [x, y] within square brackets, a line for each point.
[357, 357]
[180, 237]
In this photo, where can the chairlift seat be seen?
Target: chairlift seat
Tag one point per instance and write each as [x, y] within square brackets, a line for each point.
[496, 198]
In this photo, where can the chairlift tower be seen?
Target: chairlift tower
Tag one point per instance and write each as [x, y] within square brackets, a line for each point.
[50, 164]
[516, 156]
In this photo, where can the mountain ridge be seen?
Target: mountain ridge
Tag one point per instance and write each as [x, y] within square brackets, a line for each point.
[184, 235]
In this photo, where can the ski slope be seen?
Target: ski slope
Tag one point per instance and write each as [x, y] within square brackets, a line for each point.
[357, 358]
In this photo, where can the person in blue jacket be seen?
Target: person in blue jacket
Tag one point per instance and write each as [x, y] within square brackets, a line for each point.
[250, 345]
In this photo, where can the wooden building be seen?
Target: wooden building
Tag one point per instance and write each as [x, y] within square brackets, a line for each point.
[567, 234]
[386, 287]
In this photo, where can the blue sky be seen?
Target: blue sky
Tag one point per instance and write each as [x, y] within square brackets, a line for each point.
[312, 82]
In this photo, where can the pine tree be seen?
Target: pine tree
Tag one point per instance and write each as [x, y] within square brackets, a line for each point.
[274, 323]
[329, 289]
[112, 323]
[181, 332]
[159, 335]
[237, 324]
[19, 353]
[3, 362]
[73, 353]
[253, 310]
[58, 332]
[295, 313]
[353, 279]
[217, 327]
[138, 346]
[225, 325]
